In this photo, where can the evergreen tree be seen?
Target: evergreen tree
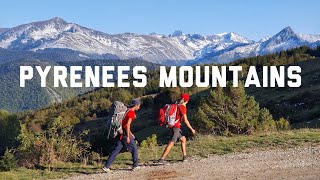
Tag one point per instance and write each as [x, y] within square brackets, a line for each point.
[230, 110]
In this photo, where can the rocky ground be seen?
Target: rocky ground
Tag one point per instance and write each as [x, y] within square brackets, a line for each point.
[295, 163]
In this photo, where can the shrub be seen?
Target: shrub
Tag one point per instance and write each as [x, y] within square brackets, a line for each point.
[229, 111]
[266, 122]
[122, 95]
[9, 130]
[8, 161]
[150, 142]
[167, 96]
[95, 158]
[149, 146]
[282, 124]
[57, 142]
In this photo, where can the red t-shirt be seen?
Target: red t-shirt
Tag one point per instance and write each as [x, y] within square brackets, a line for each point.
[182, 110]
[130, 114]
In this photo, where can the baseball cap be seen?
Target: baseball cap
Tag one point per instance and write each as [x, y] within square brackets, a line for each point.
[135, 102]
[185, 97]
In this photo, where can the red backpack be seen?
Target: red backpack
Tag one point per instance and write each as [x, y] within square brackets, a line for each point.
[168, 114]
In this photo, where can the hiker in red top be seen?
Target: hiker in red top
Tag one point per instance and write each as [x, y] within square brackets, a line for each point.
[126, 139]
[176, 130]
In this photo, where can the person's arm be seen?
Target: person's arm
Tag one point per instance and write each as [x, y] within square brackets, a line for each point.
[128, 130]
[185, 118]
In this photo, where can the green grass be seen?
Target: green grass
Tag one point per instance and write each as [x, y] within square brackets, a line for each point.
[299, 105]
[206, 145]
[57, 170]
[201, 145]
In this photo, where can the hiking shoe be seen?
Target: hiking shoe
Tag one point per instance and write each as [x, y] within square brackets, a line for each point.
[135, 168]
[161, 161]
[185, 158]
[107, 170]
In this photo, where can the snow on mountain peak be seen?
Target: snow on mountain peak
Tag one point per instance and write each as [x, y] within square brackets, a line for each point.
[285, 39]
[287, 29]
[177, 33]
[56, 33]
[57, 20]
[238, 38]
[285, 34]
[221, 34]
[265, 38]
[311, 38]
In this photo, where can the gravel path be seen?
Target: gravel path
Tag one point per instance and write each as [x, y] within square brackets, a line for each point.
[296, 163]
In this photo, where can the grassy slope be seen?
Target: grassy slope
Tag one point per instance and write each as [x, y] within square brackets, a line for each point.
[147, 125]
[300, 105]
[199, 146]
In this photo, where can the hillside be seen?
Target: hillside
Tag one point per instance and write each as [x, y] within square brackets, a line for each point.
[227, 119]
[35, 97]
[299, 105]
[97, 101]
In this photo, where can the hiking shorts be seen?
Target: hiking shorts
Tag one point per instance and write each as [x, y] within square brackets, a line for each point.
[176, 134]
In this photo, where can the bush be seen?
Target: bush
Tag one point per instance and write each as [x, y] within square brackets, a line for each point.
[9, 130]
[95, 158]
[150, 142]
[167, 96]
[56, 143]
[122, 95]
[266, 122]
[149, 146]
[229, 110]
[8, 161]
[282, 124]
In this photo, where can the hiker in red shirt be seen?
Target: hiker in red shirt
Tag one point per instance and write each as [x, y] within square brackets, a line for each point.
[181, 116]
[127, 139]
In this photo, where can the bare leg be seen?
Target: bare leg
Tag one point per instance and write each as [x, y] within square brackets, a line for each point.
[183, 145]
[167, 150]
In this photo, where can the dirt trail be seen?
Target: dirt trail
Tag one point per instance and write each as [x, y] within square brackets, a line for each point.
[296, 163]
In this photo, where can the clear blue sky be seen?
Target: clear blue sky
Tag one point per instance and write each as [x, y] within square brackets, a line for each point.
[251, 18]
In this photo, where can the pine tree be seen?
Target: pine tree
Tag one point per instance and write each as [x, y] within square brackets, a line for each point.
[230, 110]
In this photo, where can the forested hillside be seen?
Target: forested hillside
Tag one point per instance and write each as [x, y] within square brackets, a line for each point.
[33, 96]
[300, 105]
[42, 136]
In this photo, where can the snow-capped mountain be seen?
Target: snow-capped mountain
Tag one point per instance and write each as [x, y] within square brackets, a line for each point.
[57, 33]
[3, 30]
[177, 48]
[285, 39]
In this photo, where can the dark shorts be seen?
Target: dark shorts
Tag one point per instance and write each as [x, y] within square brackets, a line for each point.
[176, 134]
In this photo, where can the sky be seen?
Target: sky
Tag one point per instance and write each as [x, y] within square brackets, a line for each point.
[251, 18]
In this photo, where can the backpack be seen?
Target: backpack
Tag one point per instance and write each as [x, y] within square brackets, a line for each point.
[117, 113]
[168, 114]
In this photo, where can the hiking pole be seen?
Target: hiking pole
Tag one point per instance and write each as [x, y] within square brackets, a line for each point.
[109, 133]
[105, 129]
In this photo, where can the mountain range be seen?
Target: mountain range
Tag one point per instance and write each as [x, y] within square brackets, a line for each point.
[56, 36]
